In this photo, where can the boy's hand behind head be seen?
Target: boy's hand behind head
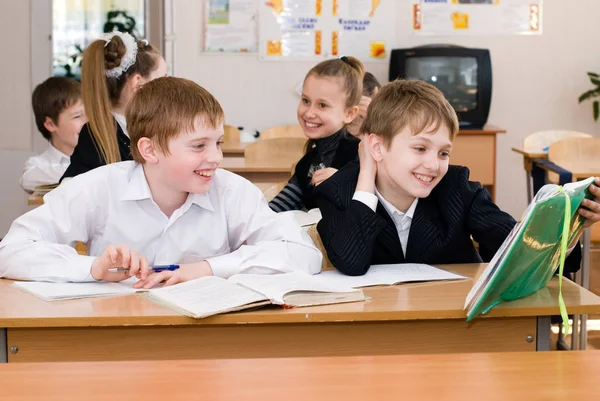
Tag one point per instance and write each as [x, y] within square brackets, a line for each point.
[115, 257]
[368, 167]
[185, 272]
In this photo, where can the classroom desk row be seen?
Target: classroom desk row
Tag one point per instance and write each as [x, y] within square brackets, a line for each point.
[420, 318]
[544, 376]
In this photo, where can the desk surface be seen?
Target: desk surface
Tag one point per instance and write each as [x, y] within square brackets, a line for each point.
[542, 155]
[419, 301]
[239, 165]
[488, 376]
[35, 200]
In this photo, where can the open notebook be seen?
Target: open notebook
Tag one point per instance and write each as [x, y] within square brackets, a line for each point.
[208, 296]
[305, 219]
[389, 275]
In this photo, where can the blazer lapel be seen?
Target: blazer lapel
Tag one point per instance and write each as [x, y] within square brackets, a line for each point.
[389, 236]
[424, 230]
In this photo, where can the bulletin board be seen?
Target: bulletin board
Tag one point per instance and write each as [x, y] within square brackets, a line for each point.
[476, 17]
[315, 30]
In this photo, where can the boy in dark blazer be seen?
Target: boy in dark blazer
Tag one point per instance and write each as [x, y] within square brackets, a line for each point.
[403, 203]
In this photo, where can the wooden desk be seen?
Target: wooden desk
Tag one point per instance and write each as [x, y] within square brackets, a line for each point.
[234, 149]
[544, 376]
[413, 318]
[261, 176]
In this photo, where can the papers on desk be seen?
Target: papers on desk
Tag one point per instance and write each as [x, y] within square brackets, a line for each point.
[62, 291]
[389, 275]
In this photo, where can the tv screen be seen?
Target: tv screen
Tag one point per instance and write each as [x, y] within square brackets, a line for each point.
[456, 77]
[463, 75]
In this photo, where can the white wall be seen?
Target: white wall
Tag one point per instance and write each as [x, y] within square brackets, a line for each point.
[537, 80]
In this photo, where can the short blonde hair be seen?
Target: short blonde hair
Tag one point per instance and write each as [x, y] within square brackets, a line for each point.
[165, 107]
[403, 103]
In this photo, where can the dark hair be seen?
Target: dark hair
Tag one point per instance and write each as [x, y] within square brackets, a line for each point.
[100, 92]
[370, 83]
[52, 97]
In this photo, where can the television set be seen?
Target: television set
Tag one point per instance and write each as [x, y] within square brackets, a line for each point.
[464, 75]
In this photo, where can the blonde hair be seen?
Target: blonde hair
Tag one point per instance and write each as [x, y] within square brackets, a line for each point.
[403, 103]
[166, 107]
[100, 93]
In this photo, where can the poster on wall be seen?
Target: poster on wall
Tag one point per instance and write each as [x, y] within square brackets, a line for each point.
[476, 17]
[321, 29]
[230, 26]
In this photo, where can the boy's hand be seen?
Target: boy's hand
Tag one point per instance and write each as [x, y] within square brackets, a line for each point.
[184, 273]
[354, 127]
[114, 257]
[591, 208]
[368, 167]
[321, 175]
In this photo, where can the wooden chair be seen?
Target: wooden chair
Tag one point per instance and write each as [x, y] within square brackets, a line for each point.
[275, 152]
[283, 131]
[232, 135]
[314, 235]
[539, 142]
[273, 190]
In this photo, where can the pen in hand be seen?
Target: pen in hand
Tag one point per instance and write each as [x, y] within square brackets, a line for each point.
[155, 269]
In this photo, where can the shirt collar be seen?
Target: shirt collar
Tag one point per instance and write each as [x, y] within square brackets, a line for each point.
[138, 189]
[57, 154]
[122, 122]
[392, 210]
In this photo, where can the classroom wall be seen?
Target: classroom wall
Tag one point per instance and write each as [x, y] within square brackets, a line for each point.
[537, 80]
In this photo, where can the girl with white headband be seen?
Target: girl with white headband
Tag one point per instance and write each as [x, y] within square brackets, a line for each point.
[113, 68]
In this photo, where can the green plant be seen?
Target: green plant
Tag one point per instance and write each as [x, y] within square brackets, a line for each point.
[595, 79]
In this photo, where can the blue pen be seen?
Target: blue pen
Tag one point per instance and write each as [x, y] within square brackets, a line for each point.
[156, 269]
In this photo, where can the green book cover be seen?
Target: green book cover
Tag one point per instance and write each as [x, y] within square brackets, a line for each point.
[530, 255]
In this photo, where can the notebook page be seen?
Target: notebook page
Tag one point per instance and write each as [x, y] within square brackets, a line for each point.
[62, 291]
[205, 296]
[276, 286]
[389, 275]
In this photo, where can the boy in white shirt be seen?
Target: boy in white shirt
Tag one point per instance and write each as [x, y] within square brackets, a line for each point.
[59, 116]
[169, 206]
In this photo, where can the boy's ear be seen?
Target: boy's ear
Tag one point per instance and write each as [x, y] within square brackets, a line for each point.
[148, 150]
[351, 114]
[376, 146]
[49, 125]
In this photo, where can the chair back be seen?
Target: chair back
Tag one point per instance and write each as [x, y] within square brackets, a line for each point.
[283, 131]
[314, 235]
[276, 152]
[232, 135]
[273, 190]
[539, 141]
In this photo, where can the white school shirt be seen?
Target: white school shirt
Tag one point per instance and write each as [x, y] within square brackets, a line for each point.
[231, 227]
[402, 221]
[45, 168]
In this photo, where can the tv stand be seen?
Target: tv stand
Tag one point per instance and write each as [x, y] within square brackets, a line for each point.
[475, 148]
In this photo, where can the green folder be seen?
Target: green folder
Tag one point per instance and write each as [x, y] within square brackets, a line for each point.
[533, 250]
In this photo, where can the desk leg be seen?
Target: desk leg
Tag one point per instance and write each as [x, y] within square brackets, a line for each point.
[585, 283]
[543, 333]
[3, 346]
[529, 190]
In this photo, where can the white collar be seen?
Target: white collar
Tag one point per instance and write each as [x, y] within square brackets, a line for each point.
[121, 121]
[138, 189]
[391, 209]
[57, 154]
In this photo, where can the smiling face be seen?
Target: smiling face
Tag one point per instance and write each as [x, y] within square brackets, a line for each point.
[322, 110]
[192, 159]
[65, 133]
[412, 165]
